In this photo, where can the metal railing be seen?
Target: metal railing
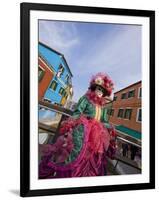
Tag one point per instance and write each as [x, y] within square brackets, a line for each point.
[68, 113]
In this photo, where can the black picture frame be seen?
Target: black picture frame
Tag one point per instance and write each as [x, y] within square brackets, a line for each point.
[25, 9]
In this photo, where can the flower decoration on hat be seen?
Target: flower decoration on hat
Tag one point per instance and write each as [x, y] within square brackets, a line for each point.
[99, 81]
[104, 81]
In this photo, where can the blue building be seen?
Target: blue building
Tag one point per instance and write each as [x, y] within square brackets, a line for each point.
[60, 87]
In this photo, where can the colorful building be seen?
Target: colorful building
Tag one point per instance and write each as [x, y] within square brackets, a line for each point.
[59, 89]
[45, 75]
[126, 110]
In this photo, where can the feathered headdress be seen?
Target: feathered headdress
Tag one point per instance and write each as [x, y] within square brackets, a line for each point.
[104, 81]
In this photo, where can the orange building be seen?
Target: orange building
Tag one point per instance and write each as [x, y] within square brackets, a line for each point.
[45, 75]
[126, 109]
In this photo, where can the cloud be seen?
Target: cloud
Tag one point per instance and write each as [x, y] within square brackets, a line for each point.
[58, 35]
[88, 49]
[118, 54]
[116, 51]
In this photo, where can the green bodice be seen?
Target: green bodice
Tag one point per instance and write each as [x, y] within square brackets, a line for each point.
[88, 109]
[85, 107]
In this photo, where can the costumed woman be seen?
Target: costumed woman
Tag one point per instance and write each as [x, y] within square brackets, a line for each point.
[86, 139]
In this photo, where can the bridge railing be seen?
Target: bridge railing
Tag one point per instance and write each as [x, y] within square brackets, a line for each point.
[68, 113]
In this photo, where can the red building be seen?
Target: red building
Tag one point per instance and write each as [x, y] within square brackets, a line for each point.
[125, 112]
[45, 75]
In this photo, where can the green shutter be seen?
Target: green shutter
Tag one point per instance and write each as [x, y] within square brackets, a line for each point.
[53, 85]
[40, 74]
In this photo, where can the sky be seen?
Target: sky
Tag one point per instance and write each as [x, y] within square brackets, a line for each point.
[90, 48]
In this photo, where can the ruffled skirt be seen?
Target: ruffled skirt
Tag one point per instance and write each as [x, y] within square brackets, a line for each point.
[66, 158]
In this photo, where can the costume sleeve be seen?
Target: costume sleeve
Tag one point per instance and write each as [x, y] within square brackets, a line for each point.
[80, 107]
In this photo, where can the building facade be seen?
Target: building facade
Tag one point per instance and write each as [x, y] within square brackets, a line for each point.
[126, 110]
[55, 86]
[126, 115]
[59, 89]
[45, 75]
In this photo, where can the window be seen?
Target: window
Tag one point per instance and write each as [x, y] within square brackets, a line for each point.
[67, 78]
[110, 112]
[41, 73]
[128, 113]
[140, 92]
[131, 93]
[121, 113]
[139, 115]
[60, 71]
[124, 96]
[53, 85]
[66, 95]
[115, 98]
[61, 91]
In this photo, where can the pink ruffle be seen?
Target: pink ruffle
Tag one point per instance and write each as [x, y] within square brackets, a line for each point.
[91, 160]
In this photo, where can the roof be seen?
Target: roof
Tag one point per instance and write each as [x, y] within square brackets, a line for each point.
[128, 86]
[51, 49]
[130, 132]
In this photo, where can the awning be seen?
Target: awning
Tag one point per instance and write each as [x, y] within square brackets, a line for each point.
[130, 132]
